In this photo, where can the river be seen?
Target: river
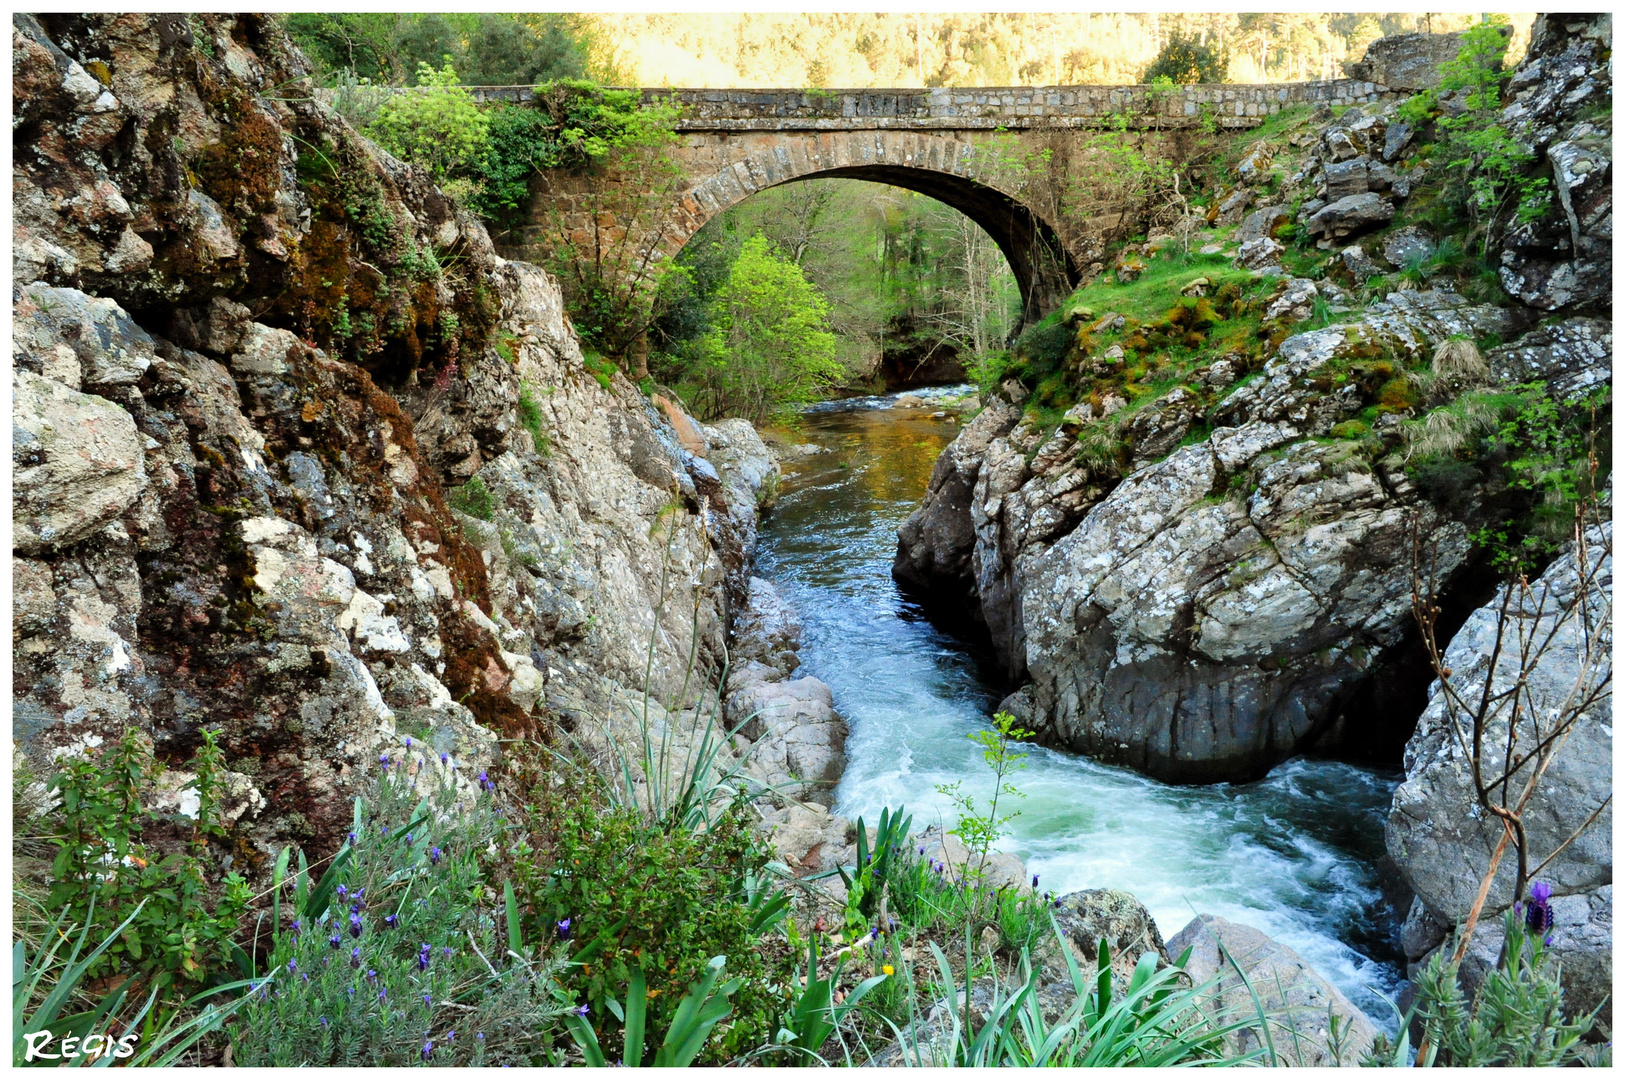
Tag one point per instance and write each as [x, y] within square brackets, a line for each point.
[1295, 854]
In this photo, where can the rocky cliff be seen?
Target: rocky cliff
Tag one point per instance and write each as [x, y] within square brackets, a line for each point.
[1208, 580]
[298, 457]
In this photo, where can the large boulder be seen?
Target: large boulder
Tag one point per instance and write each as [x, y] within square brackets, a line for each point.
[77, 461]
[934, 545]
[1407, 62]
[1296, 998]
[1349, 216]
[1555, 645]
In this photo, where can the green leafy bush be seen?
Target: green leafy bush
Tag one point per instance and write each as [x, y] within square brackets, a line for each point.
[769, 344]
[1515, 1019]
[406, 952]
[1186, 60]
[629, 900]
[438, 127]
[105, 875]
[473, 499]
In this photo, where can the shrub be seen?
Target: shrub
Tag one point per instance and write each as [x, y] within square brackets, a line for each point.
[626, 898]
[1515, 1019]
[1185, 60]
[438, 127]
[407, 953]
[473, 499]
[105, 875]
[518, 143]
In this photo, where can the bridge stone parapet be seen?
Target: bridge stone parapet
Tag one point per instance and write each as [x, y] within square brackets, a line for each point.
[986, 108]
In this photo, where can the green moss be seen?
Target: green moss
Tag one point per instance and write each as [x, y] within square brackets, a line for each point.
[473, 499]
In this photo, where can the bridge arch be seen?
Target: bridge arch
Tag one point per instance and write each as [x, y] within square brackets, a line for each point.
[951, 171]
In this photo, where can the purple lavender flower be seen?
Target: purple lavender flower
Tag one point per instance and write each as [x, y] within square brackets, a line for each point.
[341, 892]
[293, 966]
[391, 920]
[355, 958]
[409, 742]
[480, 1036]
[563, 928]
[304, 976]
[1035, 881]
[423, 957]
[352, 837]
[372, 976]
[434, 855]
[408, 839]
[442, 757]
[383, 993]
[334, 941]
[426, 999]
[450, 1035]
[359, 893]
[1537, 914]
[581, 1011]
[445, 950]
[428, 1048]
[383, 759]
[355, 924]
[384, 830]
[324, 1021]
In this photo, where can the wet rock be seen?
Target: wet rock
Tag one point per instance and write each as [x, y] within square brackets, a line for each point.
[768, 631]
[77, 463]
[1091, 916]
[1297, 999]
[935, 543]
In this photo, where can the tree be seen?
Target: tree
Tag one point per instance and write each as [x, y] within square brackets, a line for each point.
[769, 344]
[439, 128]
[508, 50]
[1185, 60]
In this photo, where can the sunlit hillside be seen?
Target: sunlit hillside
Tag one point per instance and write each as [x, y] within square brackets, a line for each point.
[969, 49]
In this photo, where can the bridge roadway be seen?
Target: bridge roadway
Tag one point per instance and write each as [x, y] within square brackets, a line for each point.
[985, 108]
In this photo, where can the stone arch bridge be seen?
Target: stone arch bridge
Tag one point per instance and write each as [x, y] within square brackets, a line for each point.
[1001, 156]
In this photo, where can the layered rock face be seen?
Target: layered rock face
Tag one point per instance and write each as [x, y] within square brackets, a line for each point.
[1552, 650]
[1231, 600]
[256, 364]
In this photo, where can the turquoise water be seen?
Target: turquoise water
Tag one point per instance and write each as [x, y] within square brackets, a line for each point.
[1295, 855]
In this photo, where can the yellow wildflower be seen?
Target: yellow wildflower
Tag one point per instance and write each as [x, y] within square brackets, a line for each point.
[885, 969]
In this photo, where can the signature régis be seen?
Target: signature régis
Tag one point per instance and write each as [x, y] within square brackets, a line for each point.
[73, 1046]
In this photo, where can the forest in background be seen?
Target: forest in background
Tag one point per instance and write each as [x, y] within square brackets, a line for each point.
[830, 49]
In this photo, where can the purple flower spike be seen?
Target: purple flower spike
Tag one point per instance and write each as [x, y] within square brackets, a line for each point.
[1537, 914]
[479, 1036]
[383, 993]
[442, 757]
[355, 925]
[352, 837]
[391, 920]
[293, 965]
[384, 830]
[445, 950]
[355, 958]
[563, 927]
[324, 1021]
[428, 1048]
[297, 926]
[1035, 881]
[450, 1035]
[334, 941]
[383, 759]
[581, 1011]
[372, 976]
[434, 856]
[304, 976]
[408, 839]
[423, 957]
[425, 999]
[341, 892]
[409, 742]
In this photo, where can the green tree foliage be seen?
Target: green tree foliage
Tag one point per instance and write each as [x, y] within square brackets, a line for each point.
[438, 128]
[1486, 172]
[105, 872]
[1186, 60]
[489, 49]
[769, 344]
